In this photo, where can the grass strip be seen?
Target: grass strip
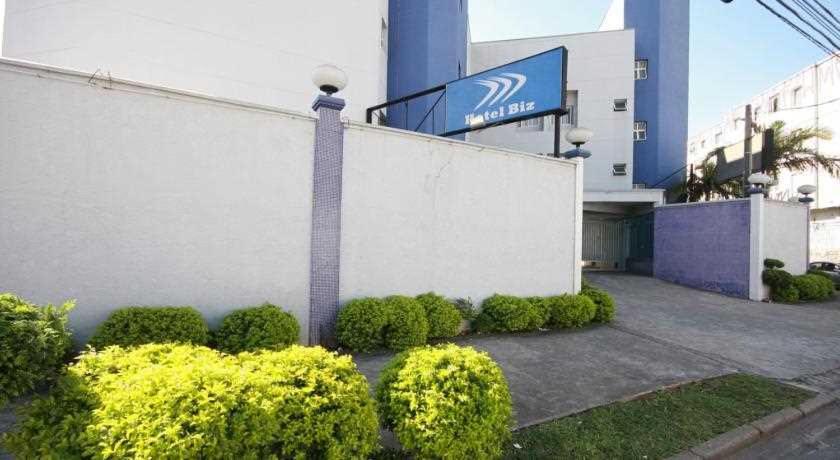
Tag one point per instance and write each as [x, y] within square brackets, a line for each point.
[658, 425]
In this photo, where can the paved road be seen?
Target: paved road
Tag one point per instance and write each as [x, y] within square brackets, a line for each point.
[816, 437]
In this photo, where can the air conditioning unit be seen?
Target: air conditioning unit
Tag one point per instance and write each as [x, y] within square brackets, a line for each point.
[639, 186]
[620, 105]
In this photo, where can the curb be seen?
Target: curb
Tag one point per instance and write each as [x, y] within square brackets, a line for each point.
[741, 437]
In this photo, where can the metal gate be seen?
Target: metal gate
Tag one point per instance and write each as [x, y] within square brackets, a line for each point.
[640, 243]
[603, 244]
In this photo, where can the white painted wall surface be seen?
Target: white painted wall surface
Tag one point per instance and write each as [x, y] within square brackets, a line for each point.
[118, 194]
[785, 234]
[600, 70]
[421, 213]
[261, 51]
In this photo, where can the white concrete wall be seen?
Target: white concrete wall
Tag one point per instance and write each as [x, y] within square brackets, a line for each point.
[261, 51]
[785, 234]
[600, 70]
[423, 213]
[116, 194]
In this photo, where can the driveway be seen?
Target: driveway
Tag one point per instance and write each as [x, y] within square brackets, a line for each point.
[664, 334]
[780, 341]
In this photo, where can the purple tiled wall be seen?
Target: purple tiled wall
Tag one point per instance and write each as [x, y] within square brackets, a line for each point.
[704, 245]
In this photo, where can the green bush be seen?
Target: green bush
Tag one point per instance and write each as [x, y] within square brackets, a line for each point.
[570, 310]
[773, 263]
[604, 304]
[506, 313]
[446, 402]
[361, 324]
[182, 401]
[131, 326]
[466, 307]
[34, 342]
[542, 307]
[776, 279]
[835, 279]
[407, 324]
[813, 287]
[443, 318]
[251, 329]
[787, 294]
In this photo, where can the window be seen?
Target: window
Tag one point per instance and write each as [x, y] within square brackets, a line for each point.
[797, 97]
[383, 35]
[639, 131]
[620, 105]
[756, 113]
[718, 139]
[641, 69]
[571, 118]
[693, 148]
[774, 104]
[619, 169]
[531, 124]
[703, 144]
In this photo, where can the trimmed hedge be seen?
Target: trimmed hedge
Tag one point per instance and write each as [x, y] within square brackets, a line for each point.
[773, 263]
[407, 324]
[542, 307]
[834, 278]
[446, 402]
[813, 287]
[776, 279]
[569, 310]
[505, 313]
[787, 294]
[604, 304]
[183, 401]
[141, 325]
[443, 318]
[250, 329]
[34, 342]
[361, 324]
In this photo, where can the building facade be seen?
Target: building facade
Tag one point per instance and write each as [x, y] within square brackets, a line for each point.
[810, 98]
[264, 52]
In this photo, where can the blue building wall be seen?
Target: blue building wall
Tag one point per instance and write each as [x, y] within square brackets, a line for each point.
[704, 245]
[427, 46]
[662, 33]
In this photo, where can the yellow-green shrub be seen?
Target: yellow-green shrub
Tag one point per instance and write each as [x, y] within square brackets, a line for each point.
[182, 401]
[34, 341]
[604, 304]
[257, 328]
[140, 325]
[446, 402]
[444, 319]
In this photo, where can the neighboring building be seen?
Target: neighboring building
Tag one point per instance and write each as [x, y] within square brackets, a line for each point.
[808, 99]
[261, 52]
[264, 52]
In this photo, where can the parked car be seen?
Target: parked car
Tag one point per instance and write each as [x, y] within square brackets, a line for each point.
[825, 266]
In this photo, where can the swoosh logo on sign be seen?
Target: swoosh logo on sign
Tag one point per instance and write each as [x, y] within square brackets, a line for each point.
[501, 87]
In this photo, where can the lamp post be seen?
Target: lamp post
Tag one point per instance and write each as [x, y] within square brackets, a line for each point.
[329, 79]
[806, 190]
[758, 183]
[578, 137]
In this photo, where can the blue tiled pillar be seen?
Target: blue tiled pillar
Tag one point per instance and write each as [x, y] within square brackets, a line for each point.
[326, 220]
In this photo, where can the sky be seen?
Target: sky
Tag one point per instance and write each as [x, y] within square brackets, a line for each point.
[736, 49]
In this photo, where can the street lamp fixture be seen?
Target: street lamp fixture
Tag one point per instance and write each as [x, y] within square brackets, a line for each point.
[758, 183]
[329, 79]
[578, 137]
[806, 190]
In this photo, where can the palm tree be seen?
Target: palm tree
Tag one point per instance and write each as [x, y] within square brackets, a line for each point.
[706, 185]
[789, 151]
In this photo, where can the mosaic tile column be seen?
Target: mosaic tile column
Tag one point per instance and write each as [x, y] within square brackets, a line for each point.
[326, 220]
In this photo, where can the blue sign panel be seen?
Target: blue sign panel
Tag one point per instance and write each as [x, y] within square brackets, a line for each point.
[523, 89]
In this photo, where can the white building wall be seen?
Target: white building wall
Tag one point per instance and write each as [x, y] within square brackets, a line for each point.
[817, 105]
[785, 233]
[600, 69]
[122, 195]
[421, 213]
[261, 51]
